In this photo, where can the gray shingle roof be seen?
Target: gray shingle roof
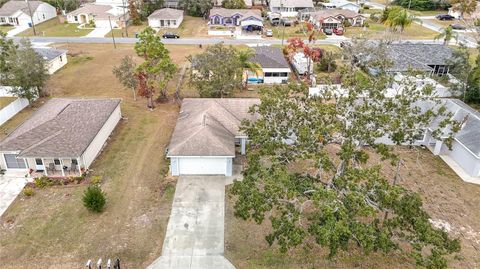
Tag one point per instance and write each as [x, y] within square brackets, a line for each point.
[49, 53]
[292, 3]
[270, 57]
[224, 12]
[417, 56]
[10, 7]
[208, 126]
[60, 128]
[166, 13]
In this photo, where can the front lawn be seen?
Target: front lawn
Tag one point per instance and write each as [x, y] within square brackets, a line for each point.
[131, 30]
[446, 198]
[190, 27]
[298, 30]
[56, 29]
[5, 28]
[380, 31]
[52, 229]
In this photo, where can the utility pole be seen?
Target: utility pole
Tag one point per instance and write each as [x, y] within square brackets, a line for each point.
[31, 17]
[111, 31]
[125, 18]
[281, 21]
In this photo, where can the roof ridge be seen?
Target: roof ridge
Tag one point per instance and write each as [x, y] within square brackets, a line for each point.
[41, 141]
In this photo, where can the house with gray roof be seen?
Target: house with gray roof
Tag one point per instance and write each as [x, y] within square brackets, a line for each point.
[62, 138]
[17, 13]
[430, 58]
[165, 18]
[54, 58]
[100, 15]
[290, 8]
[464, 155]
[274, 67]
[207, 138]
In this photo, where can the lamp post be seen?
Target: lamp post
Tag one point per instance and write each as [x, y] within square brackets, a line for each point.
[31, 17]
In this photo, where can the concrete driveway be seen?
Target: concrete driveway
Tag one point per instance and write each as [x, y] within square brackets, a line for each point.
[195, 231]
[98, 32]
[16, 30]
[10, 187]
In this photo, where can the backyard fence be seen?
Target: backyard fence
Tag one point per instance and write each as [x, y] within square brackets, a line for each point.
[99, 265]
[12, 109]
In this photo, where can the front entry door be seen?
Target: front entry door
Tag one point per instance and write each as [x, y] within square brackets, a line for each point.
[39, 165]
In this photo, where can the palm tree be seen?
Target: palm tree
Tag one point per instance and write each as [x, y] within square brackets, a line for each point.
[447, 34]
[398, 18]
[244, 57]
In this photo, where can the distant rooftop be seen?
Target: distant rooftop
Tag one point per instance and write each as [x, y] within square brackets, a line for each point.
[10, 7]
[407, 56]
[49, 54]
[270, 57]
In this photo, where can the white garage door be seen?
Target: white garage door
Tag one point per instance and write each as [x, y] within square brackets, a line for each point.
[202, 166]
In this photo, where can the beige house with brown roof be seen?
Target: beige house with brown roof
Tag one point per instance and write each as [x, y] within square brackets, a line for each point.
[207, 138]
[335, 18]
[62, 138]
[165, 18]
[101, 15]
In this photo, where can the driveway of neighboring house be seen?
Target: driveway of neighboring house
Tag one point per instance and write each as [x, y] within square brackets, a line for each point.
[195, 231]
[16, 30]
[98, 32]
[10, 187]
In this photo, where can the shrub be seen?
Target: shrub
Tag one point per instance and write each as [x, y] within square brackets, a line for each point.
[28, 191]
[477, 22]
[42, 182]
[327, 63]
[366, 24]
[366, 7]
[94, 198]
[95, 180]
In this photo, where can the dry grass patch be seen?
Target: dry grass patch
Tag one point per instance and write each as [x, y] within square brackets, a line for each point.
[52, 229]
[380, 31]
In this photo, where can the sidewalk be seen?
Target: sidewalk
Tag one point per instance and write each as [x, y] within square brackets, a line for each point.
[16, 30]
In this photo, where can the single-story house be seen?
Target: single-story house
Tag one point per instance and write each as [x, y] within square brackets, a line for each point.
[455, 12]
[341, 4]
[432, 59]
[275, 68]
[218, 3]
[465, 151]
[165, 18]
[61, 138]
[17, 13]
[99, 14]
[54, 58]
[236, 17]
[206, 137]
[290, 8]
[115, 3]
[335, 18]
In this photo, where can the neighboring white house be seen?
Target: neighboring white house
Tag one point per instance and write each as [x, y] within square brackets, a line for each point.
[165, 18]
[101, 15]
[207, 134]
[17, 13]
[275, 68]
[62, 138]
[54, 58]
[301, 63]
[341, 4]
[218, 3]
[290, 8]
[116, 3]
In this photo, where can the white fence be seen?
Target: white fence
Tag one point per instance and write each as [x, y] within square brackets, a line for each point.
[12, 109]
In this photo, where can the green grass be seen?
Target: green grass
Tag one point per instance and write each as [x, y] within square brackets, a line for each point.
[293, 31]
[190, 27]
[5, 28]
[131, 30]
[379, 31]
[54, 28]
[5, 101]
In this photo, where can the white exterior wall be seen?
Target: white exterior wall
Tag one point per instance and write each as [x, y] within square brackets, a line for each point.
[351, 7]
[463, 157]
[275, 80]
[155, 23]
[97, 143]
[43, 13]
[201, 165]
[12, 109]
[112, 2]
[57, 63]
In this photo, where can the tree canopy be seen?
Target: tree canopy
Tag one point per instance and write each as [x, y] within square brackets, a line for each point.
[125, 73]
[196, 8]
[157, 69]
[423, 4]
[234, 4]
[308, 170]
[218, 71]
[22, 69]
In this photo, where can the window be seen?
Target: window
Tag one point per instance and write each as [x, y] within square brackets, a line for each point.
[43, 16]
[74, 161]
[275, 74]
[174, 22]
[2, 19]
[13, 162]
[56, 161]
[284, 74]
[76, 18]
[268, 74]
[38, 161]
[10, 20]
[61, 58]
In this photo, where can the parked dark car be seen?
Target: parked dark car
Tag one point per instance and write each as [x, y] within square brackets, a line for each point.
[444, 17]
[457, 26]
[328, 31]
[170, 35]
